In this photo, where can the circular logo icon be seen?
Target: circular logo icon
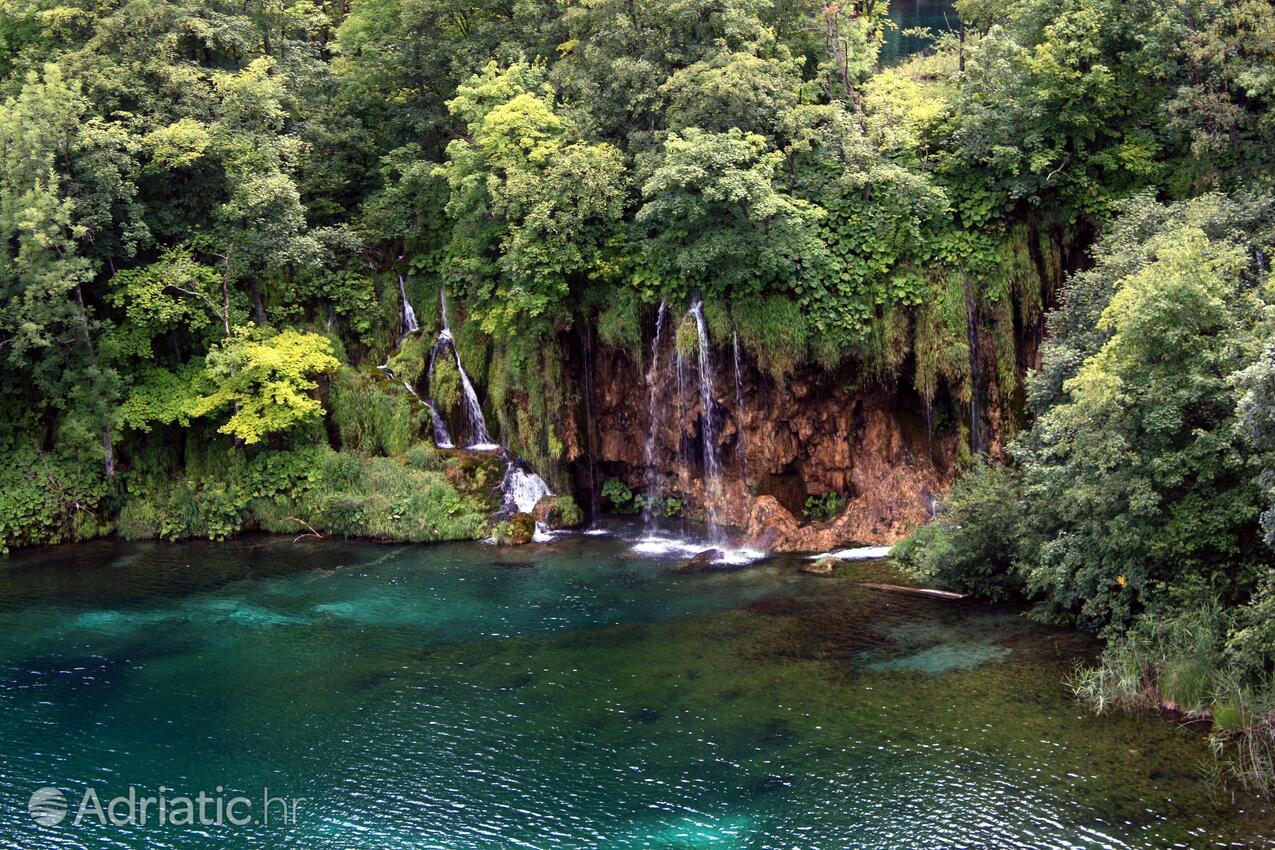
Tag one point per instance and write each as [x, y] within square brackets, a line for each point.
[47, 806]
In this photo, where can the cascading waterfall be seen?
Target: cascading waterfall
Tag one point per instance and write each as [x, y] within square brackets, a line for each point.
[652, 409]
[410, 325]
[741, 448]
[480, 437]
[522, 487]
[708, 430]
[442, 437]
[654, 542]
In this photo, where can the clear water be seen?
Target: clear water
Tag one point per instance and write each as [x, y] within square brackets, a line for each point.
[570, 695]
[936, 15]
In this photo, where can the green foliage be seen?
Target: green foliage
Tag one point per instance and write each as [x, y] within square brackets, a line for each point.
[823, 506]
[571, 514]
[620, 322]
[621, 497]
[373, 415]
[265, 381]
[1180, 660]
[715, 221]
[50, 497]
[978, 539]
[296, 491]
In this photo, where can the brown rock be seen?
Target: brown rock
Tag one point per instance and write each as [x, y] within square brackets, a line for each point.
[700, 562]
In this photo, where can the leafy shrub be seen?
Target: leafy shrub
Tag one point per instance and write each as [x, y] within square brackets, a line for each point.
[824, 506]
[49, 497]
[620, 496]
[974, 543]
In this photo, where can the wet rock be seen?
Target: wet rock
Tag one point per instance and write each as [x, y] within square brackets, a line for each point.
[700, 562]
[821, 567]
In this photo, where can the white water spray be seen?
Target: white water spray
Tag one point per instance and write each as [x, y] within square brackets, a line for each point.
[480, 437]
[410, 325]
[708, 429]
[652, 409]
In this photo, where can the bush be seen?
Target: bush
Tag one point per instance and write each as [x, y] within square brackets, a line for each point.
[975, 543]
[824, 506]
[1179, 658]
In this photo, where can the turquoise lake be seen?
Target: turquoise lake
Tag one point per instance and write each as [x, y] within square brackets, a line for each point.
[567, 695]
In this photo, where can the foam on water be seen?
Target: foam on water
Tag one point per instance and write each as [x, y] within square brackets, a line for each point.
[863, 553]
[662, 547]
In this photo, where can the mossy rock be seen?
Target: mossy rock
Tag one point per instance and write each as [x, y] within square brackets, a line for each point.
[515, 532]
[821, 567]
[557, 512]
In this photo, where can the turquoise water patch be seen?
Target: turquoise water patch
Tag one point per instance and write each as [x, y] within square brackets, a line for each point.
[565, 697]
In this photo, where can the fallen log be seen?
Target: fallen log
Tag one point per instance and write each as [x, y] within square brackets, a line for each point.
[919, 591]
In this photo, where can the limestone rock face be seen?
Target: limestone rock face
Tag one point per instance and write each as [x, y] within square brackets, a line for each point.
[777, 443]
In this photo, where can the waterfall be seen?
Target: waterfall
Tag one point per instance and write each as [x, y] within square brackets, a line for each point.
[586, 343]
[971, 334]
[410, 325]
[708, 430]
[652, 409]
[659, 409]
[523, 488]
[442, 437]
[480, 437]
[740, 447]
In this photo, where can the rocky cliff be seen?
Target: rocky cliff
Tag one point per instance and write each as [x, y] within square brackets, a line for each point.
[777, 442]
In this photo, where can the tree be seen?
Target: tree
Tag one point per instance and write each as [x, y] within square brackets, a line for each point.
[714, 220]
[534, 205]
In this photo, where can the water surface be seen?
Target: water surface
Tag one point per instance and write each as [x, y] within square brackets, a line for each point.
[571, 695]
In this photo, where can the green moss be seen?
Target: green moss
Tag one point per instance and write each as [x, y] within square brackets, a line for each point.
[372, 414]
[444, 385]
[776, 332]
[619, 322]
[408, 362]
[686, 336]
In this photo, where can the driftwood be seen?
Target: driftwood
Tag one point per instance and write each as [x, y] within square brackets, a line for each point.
[300, 521]
[918, 591]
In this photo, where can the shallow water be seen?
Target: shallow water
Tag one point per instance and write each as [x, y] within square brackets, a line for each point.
[569, 695]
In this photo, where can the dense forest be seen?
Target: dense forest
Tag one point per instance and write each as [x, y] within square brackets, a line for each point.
[220, 218]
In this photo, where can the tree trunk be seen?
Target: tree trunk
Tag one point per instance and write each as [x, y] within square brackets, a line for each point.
[258, 309]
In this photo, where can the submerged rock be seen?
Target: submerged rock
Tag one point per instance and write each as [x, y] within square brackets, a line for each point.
[821, 567]
[699, 562]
